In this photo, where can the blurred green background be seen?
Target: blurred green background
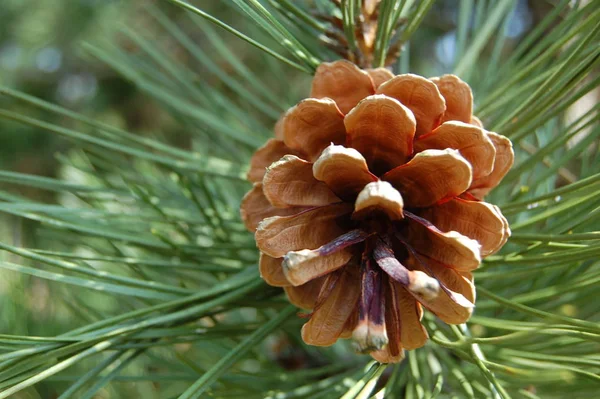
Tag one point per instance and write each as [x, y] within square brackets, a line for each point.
[41, 54]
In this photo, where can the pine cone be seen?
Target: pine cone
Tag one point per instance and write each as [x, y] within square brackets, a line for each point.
[367, 205]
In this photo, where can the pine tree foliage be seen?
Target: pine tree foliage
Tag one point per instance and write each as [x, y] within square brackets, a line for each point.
[146, 250]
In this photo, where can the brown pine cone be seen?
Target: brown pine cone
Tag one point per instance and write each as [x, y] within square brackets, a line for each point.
[367, 205]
